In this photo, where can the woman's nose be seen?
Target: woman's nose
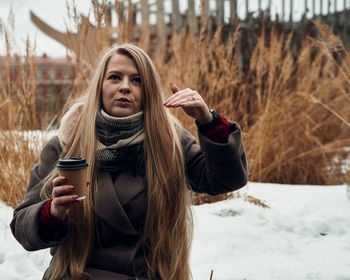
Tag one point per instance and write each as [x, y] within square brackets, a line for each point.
[125, 86]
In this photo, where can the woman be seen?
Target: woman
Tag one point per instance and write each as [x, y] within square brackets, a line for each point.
[136, 223]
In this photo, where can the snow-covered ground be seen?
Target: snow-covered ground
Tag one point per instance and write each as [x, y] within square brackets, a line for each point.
[304, 235]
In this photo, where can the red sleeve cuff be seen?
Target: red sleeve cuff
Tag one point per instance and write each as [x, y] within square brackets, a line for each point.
[220, 132]
[49, 225]
[46, 217]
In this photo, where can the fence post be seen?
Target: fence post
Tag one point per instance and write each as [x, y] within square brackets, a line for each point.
[259, 5]
[343, 17]
[283, 9]
[247, 8]
[176, 17]
[145, 22]
[313, 8]
[321, 7]
[206, 8]
[233, 11]
[306, 8]
[220, 11]
[291, 11]
[161, 26]
[191, 17]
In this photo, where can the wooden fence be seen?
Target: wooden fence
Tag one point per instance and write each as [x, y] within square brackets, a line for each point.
[156, 24]
[226, 12]
[312, 8]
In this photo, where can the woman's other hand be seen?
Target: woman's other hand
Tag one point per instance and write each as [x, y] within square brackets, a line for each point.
[62, 199]
[191, 102]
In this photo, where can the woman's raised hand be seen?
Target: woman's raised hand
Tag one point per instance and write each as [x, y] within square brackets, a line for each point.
[62, 199]
[191, 102]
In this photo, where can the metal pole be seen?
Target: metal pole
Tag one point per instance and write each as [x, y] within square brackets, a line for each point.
[283, 9]
[321, 7]
[291, 11]
[259, 5]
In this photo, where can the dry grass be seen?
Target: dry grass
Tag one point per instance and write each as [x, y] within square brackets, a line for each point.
[18, 92]
[19, 145]
[293, 107]
[19, 151]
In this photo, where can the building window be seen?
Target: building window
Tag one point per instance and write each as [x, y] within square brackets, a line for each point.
[65, 73]
[52, 74]
[38, 74]
[53, 91]
[40, 92]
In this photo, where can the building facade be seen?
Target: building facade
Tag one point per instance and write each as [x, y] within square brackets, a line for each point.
[54, 78]
[50, 79]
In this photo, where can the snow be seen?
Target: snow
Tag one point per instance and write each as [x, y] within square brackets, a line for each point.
[15, 262]
[304, 235]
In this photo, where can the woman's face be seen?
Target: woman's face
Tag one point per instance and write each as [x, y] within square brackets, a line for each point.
[121, 87]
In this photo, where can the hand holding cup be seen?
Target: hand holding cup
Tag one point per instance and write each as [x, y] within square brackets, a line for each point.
[69, 187]
[63, 198]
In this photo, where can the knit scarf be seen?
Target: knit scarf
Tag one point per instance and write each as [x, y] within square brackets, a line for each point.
[120, 143]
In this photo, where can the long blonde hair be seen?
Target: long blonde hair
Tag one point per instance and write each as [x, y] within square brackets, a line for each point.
[168, 227]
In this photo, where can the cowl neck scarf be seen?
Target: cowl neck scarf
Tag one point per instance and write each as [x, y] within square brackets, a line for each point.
[120, 143]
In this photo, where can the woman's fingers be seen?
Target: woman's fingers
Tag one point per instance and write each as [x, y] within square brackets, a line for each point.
[174, 88]
[65, 200]
[60, 180]
[61, 190]
[183, 97]
[61, 206]
[176, 92]
[191, 102]
[62, 200]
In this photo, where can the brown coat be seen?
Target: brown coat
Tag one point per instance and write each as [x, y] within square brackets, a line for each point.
[212, 168]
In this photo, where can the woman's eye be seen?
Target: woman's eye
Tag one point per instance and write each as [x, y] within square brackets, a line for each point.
[137, 80]
[113, 77]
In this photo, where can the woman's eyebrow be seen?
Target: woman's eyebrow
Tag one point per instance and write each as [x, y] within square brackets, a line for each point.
[113, 72]
[121, 73]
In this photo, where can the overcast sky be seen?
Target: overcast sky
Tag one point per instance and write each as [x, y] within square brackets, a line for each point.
[54, 12]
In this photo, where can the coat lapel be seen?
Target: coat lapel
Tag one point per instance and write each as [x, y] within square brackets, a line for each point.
[110, 208]
[128, 186]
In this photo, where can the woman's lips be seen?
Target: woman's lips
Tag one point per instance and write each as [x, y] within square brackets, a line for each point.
[123, 99]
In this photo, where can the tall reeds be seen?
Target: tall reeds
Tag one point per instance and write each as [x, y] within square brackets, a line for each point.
[293, 104]
[294, 108]
[19, 148]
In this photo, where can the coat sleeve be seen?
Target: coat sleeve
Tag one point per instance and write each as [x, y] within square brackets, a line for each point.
[215, 168]
[25, 222]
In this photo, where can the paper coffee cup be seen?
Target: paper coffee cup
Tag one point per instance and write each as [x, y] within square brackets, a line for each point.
[75, 170]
